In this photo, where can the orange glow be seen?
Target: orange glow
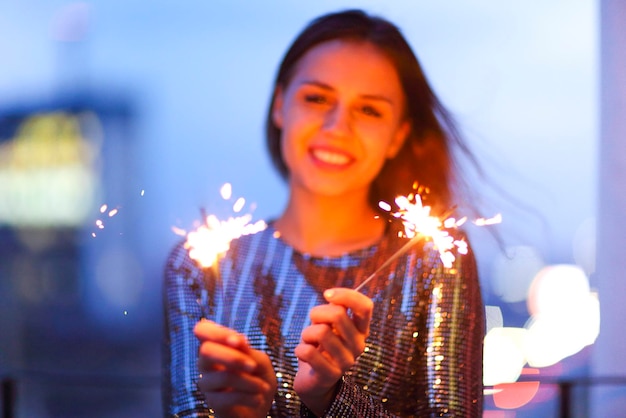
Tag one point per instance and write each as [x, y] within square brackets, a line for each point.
[515, 395]
[498, 414]
[206, 243]
[529, 371]
[419, 224]
[213, 238]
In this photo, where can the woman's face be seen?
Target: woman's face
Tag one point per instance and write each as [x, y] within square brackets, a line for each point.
[341, 117]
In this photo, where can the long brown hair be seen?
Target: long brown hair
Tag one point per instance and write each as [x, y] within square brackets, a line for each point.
[426, 157]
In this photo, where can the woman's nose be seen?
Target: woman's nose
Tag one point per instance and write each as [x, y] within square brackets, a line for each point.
[338, 120]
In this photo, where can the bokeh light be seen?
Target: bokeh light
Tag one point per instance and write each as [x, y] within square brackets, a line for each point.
[48, 171]
[504, 356]
[558, 288]
[564, 318]
[565, 315]
[515, 395]
[494, 317]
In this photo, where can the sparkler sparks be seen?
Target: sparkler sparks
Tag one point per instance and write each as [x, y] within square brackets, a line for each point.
[206, 243]
[111, 213]
[420, 224]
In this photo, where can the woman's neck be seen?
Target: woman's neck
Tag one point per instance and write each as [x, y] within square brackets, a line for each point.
[329, 226]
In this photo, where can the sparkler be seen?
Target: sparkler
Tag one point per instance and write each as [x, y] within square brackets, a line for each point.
[210, 240]
[213, 238]
[420, 224]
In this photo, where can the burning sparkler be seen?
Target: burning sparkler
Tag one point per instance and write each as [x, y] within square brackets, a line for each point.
[420, 224]
[213, 238]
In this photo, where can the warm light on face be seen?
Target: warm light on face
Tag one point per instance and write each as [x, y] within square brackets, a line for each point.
[340, 120]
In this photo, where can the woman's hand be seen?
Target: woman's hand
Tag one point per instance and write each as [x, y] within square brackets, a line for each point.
[236, 380]
[331, 345]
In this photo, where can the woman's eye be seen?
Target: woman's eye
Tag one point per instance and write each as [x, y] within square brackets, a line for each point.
[370, 111]
[315, 98]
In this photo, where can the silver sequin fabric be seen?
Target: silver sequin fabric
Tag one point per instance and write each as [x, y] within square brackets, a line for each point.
[423, 357]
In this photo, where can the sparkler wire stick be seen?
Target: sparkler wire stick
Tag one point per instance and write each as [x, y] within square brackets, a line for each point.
[398, 253]
[395, 255]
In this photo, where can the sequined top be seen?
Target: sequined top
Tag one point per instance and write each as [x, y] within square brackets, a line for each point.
[423, 356]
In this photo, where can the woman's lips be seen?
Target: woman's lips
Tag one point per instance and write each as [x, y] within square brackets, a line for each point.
[331, 157]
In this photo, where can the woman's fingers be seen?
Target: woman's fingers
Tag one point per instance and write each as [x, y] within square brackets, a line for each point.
[235, 379]
[348, 314]
[232, 400]
[331, 344]
[216, 356]
[206, 330]
[231, 392]
[340, 325]
[337, 352]
[227, 392]
[319, 361]
[222, 348]
[360, 305]
[227, 381]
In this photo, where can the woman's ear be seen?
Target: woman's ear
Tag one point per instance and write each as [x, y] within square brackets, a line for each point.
[398, 139]
[277, 107]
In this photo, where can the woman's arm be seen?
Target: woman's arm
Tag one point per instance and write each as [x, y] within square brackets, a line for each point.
[452, 351]
[454, 343]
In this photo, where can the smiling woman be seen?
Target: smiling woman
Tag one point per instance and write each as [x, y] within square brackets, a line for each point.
[276, 329]
[340, 122]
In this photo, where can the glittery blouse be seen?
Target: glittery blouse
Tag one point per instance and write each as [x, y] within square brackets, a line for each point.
[423, 357]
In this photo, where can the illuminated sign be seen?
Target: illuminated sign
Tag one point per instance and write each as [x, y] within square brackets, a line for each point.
[49, 174]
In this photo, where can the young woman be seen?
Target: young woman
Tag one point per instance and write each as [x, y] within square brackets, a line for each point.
[278, 330]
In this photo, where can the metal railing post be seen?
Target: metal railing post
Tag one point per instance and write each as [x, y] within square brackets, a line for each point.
[8, 398]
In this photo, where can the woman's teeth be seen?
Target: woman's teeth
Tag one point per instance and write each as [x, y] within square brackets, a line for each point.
[330, 157]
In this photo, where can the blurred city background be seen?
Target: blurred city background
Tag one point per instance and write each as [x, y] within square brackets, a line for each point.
[121, 120]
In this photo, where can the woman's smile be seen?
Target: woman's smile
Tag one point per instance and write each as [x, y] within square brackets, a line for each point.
[330, 157]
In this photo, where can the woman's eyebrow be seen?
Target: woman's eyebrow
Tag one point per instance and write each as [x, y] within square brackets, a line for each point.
[317, 84]
[377, 97]
[325, 86]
